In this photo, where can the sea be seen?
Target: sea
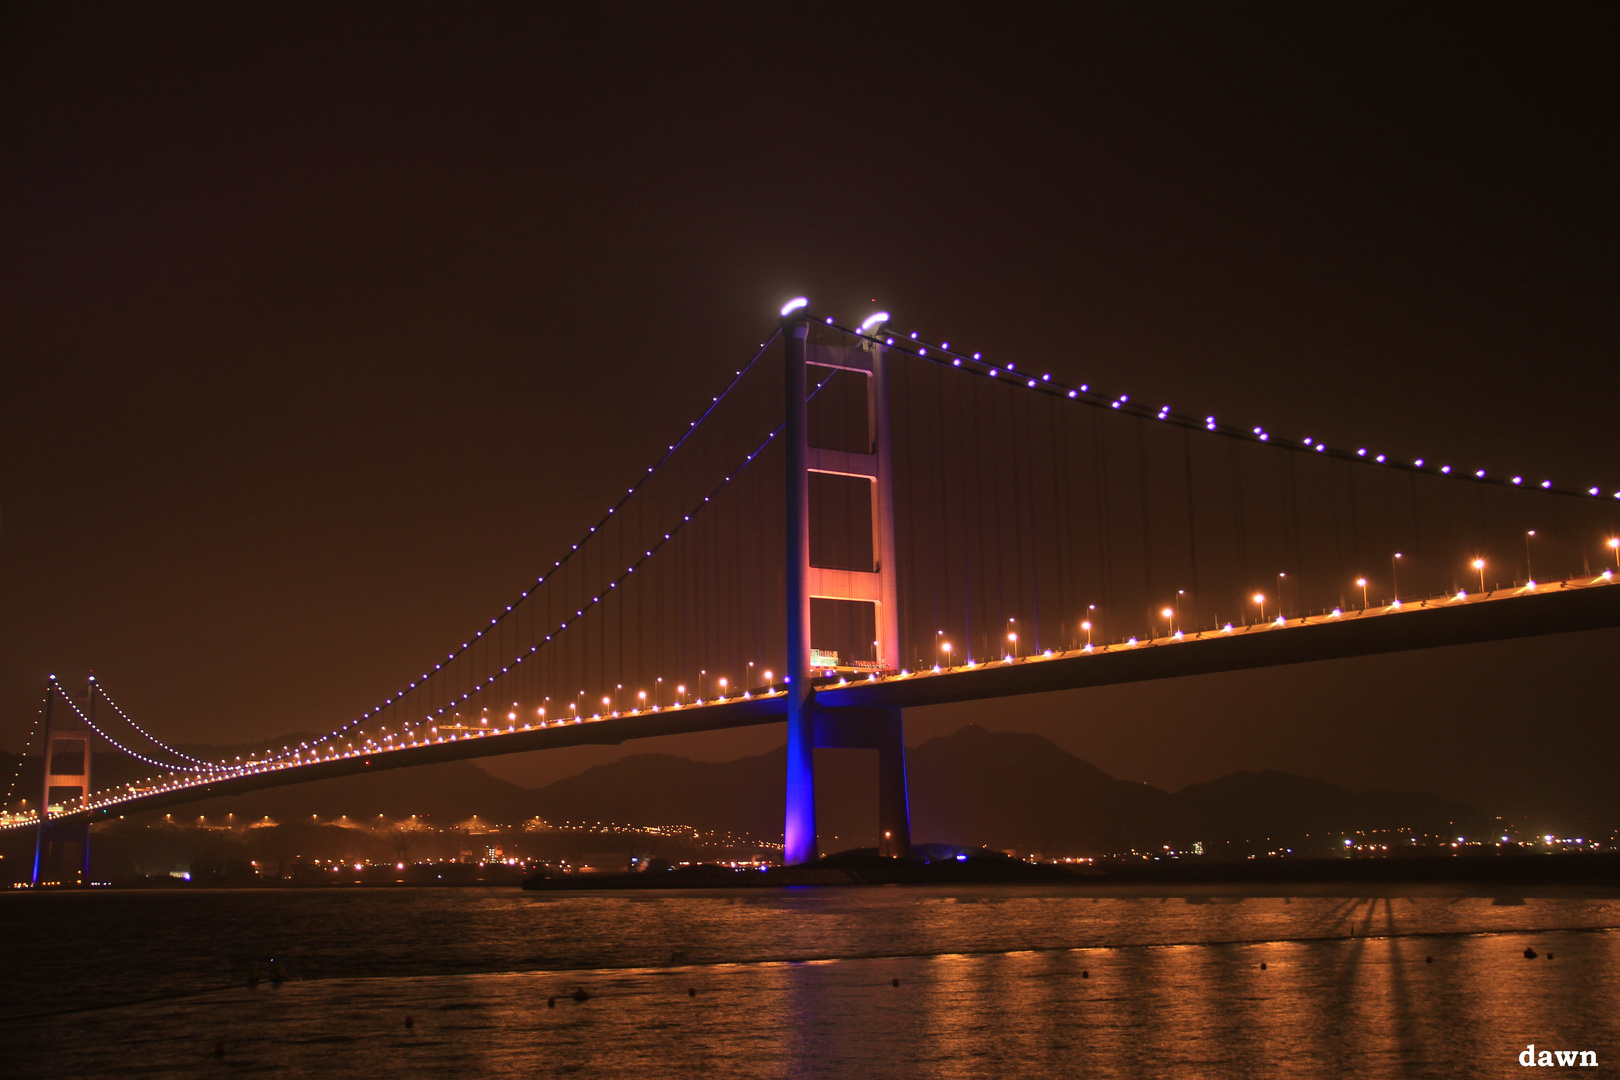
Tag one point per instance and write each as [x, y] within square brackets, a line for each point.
[899, 981]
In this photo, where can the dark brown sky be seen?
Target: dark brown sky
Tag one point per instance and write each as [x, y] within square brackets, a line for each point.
[321, 331]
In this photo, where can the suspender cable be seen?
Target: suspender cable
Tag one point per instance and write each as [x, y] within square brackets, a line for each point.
[1099, 464]
[1147, 526]
[1240, 533]
[1192, 523]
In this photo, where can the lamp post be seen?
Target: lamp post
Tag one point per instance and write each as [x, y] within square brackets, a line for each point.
[1260, 598]
[1179, 594]
[1394, 581]
[681, 694]
[658, 692]
[1012, 637]
[769, 682]
[1280, 576]
[1362, 582]
[1529, 574]
[1085, 624]
[641, 696]
[1479, 564]
[723, 685]
[1614, 546]
[1169, 617]
[945, 647]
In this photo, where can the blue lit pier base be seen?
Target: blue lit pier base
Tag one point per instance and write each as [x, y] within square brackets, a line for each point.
[799, 820]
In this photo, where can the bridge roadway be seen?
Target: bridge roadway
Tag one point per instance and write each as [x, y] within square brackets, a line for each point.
[1551, 608]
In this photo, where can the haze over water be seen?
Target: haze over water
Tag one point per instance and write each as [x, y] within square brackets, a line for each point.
[1031, 981]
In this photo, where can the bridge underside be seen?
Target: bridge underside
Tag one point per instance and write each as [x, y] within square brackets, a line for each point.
[1419, 625]
[1554, 609]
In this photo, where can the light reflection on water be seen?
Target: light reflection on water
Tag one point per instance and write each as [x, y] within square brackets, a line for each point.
[993, 981]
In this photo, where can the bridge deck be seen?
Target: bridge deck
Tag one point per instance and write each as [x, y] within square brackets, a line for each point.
[1552, 608]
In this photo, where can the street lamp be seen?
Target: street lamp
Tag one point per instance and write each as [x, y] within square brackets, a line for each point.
[1394, 581]
[1012, 637]
[1362, 582]
[1170, 617]
[723, 685]
[1179, 594]
[1280, 576]
[1260, 598]
[945, 647]
[1479, 564]
[658, 692]
[768, 680]
[1614, 546]
[641, 696]
[1529, 575]
[681, 690]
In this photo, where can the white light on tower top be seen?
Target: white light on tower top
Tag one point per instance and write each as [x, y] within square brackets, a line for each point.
[794, 305]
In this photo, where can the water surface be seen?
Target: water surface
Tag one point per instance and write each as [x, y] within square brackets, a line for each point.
[1032, 981]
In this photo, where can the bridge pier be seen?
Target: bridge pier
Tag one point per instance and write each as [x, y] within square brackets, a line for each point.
[808, 726]
[66, 768]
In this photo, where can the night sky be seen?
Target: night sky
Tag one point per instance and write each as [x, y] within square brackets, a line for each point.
[323, 330]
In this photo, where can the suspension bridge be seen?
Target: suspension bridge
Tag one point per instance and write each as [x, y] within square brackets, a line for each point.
[864, 521]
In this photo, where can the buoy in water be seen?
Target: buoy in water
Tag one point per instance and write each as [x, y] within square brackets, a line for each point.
[1085, 974]
[1428, 959]
[1529, 954]
[894, 982]
[551, 1003]
[410, 1021]
[580, 994]
[219, 1049]
[1262, 965]
[1549, 956]
[691, 991]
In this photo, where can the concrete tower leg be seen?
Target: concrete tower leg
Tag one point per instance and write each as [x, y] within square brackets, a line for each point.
[799, 818]
[894, 805]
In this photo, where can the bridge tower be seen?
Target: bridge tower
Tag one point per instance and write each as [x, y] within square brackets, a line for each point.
[810, 727]
[66, 765]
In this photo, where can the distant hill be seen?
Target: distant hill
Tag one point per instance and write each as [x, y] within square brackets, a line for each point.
[742, 796]
[1003, 790]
